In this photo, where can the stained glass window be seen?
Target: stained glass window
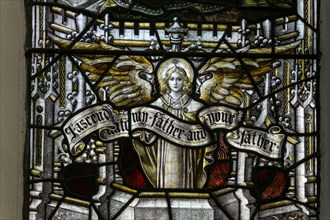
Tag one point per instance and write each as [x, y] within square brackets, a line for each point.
[173, 109]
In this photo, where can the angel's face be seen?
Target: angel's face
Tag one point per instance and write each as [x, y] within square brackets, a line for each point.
[175, 82]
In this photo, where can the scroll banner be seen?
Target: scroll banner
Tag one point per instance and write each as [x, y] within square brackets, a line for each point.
[113, 124]
[220, 117]
[268, 144]
[120, 130]
[170, 128]
[88, 121]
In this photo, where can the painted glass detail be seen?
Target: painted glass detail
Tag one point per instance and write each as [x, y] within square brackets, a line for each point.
[173, 109]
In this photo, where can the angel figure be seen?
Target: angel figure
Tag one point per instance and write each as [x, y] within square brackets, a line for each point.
[129, 82]
[167, 165]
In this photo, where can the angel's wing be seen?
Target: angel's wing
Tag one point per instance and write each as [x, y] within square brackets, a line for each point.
[231, 76]
[128, 80]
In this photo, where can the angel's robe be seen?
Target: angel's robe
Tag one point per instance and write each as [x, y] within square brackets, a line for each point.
[167, 165]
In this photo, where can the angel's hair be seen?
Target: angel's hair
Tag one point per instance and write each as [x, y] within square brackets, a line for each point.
[165, 89]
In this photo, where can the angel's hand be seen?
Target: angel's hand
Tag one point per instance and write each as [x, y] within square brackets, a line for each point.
[147, 137]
